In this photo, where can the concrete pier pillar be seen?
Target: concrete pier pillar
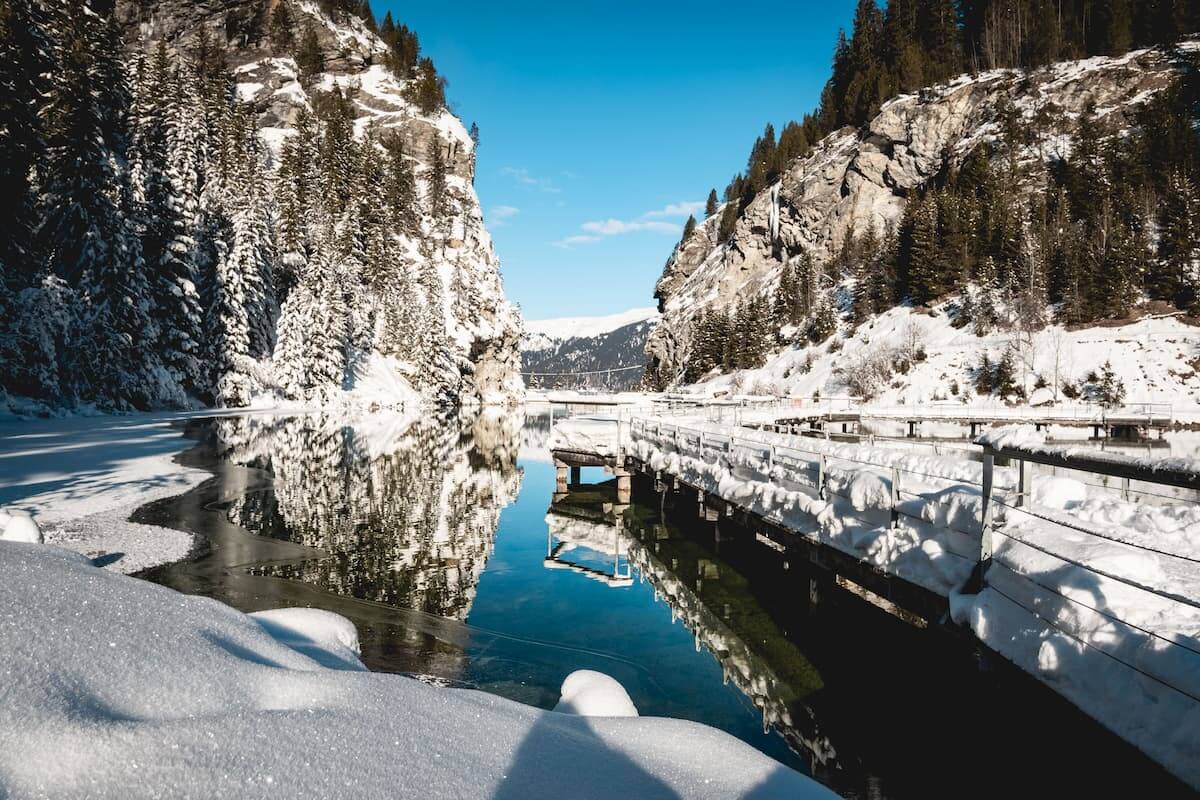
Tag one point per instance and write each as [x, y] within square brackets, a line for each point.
[560, 477]
[624, 485]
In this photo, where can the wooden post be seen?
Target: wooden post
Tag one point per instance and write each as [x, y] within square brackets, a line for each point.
[985, 514]
[771, 460]
[576, 475]
[1125, 489]
[821, 467]
[1022, 483]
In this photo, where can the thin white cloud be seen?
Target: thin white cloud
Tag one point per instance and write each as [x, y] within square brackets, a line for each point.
[651, 221]
[574, 240]
[523, 177]
[616, 227]
[675, 210]
[500, 215]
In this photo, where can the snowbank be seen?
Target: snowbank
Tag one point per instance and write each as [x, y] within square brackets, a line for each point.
[19, 526]
[81, 478]
[143, 692]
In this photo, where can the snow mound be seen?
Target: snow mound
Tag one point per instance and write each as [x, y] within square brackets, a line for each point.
[1059, 493]
[1014, 437]
[142, 692]
[329, 639]
[19, 526]
[594, 694]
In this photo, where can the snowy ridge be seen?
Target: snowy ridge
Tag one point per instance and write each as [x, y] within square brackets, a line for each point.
[588, 352]
[482, 327]
[584, 327]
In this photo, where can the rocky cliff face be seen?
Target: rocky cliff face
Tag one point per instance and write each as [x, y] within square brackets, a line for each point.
[485, 328]
[856, 179]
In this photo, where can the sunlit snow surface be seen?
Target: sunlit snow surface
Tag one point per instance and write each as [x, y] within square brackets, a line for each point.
[115, 687]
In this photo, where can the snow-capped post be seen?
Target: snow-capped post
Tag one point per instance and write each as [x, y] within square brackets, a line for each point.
[821, 467]
[895, 496]
[771, 460]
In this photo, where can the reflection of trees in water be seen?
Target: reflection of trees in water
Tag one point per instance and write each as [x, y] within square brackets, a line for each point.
[406, 510]
[714, 602]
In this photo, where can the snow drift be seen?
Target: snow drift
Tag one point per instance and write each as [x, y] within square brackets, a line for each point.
[117, 687]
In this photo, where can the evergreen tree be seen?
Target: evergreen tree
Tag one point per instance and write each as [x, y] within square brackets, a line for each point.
[309, 56]
[689, 228]
[436, 193]
[400, 192]
[282, 30]
[429, 88]
[1174, 275]
[711, 206]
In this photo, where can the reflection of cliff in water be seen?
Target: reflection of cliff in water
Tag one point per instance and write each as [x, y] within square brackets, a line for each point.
[591, 535]
[406, 510]
[714, 602]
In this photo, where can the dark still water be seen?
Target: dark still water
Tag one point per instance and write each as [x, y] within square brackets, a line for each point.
[441, 542]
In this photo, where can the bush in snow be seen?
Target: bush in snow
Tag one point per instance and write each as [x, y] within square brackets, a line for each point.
[1104, 387]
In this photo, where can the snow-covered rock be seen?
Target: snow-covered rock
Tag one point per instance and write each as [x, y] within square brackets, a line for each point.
[142, 692]
[593, 694]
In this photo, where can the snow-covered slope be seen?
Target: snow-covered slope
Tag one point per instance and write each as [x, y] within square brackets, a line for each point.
[911, 358]
[860, 179]
[483, 326]
[579, 352]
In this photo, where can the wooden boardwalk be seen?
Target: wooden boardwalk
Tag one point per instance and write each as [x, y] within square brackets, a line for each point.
[874, 520]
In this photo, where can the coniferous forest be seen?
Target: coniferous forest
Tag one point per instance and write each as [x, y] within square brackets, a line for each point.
[1023, 240]
[154, 256]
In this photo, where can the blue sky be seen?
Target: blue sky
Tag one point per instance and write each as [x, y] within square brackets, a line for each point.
[600, 122]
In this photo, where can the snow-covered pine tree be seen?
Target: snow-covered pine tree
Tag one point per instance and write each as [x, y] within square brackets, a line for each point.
[27, 360]
[87, 202]
[166, 158]
[823, 321]
[436, 362]
[435, 185]
[400, 188]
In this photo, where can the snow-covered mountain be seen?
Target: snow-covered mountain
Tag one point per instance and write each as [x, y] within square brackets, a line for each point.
[859, 180]
[482, 326]
[588, 352]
